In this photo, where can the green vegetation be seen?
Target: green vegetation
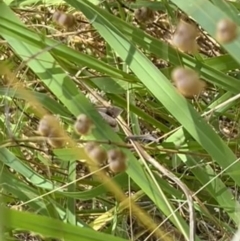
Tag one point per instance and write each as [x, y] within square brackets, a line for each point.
[73, 57]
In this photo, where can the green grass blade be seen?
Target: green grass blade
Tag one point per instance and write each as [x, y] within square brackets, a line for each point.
[51, 228]
[9, 159]
[71, 202]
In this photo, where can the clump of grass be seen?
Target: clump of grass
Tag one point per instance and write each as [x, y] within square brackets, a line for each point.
[113, 47]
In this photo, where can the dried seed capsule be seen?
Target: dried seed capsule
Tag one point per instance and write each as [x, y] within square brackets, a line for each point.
[83, 125]
[46, 124]
[187, 82]
[117, 166]
[63, 19]
[96, 152]
[56, 138]
[144, 14]
[184, 37]
[226, 31]
[117, 160]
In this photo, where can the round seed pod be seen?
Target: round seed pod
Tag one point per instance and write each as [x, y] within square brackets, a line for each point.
[187, 82]
[226, 31]
[117, 160]
[63, 19]
[46, 124]
[184, 37]
[83, 125]
[117, 166]
[56, 143]
[144, 14]
[96, 152]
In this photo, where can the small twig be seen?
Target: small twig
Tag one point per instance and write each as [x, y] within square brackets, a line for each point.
[16, 144]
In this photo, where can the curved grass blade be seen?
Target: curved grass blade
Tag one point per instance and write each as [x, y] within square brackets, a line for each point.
[9, 159]
[49, 227]
[49, 103]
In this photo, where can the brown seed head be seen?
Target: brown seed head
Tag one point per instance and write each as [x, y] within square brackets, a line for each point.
[184, 37]
[96, 152]
[63, 19]
[226, 31]
[187, 82]
[46, 124]
[144, 14]
[83, 125]
[117, 160]
[56, 138]
[56, 16]
[117, 166]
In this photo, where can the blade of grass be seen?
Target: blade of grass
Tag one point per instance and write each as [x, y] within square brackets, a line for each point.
[10, 160]
[50, 104]
[71, 203]
[50, 227]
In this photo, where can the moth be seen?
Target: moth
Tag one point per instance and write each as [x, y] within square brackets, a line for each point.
[109, 114]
